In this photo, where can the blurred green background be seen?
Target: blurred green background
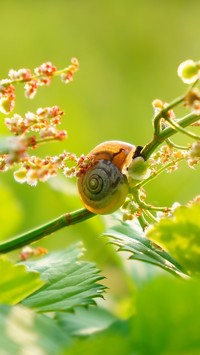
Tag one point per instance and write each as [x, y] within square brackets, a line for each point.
[129, 52]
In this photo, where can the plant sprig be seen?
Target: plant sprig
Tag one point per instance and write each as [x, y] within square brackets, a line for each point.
[41, 76]
[165, 125]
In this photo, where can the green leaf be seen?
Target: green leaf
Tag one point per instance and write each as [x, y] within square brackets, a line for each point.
[69, 282]
[113, 341]
[168, 318]
[167, 322]
[85, 321]
[24, 332]
[131, 238]
[17, 282]
[180, 235]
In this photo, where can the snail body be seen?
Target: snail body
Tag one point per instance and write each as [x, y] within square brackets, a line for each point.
[103, 186]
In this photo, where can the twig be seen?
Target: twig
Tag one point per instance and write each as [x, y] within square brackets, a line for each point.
[65, 220]
[149, 148]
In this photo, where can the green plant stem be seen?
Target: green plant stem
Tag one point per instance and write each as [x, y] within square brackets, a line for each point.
[180, 129]
[166, 133]
[174, 145]
[142, 221]
[145, 206]
[150, 216]
[163, 113]
[40, 232]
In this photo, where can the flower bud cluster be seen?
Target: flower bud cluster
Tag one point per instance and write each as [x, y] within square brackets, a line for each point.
[193, 157]
[84, 163]
[68, 73]
[41, 76]
[19, 75]
[45, 70]
[43, 122]
[7, 97]
[34, 169]
[18, 149]
[167, 155]
[192, 100]
[28, 252]
[63, 160]
[34, 128]
[130, 210]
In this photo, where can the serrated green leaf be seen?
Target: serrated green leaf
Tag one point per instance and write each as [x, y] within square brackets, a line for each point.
[70, 282]
[24, 332]
[17, 282]
[128, 237]
[180, 236]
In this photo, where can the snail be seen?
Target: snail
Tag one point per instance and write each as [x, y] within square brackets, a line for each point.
[103, 186]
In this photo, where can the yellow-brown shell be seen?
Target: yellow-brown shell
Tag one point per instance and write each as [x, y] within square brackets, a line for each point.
[103, 187]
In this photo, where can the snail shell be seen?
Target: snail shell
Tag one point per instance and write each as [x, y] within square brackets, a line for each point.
[103, 187]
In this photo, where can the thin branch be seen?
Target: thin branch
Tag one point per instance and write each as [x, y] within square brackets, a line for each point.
[34, 76]
[65, 220]
[180, 129]
[170, 143]
[143, 223]
[163, 112]
[149, 148]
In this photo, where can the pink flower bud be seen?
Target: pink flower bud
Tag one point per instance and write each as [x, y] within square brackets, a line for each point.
[31, 89]
[46, 69]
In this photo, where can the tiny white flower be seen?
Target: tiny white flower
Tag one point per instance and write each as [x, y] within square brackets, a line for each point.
[188, 71]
